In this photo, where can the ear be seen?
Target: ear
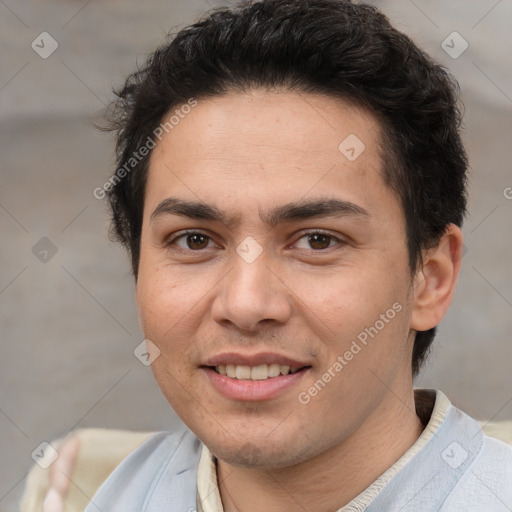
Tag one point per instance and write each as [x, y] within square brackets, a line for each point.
[434, 284]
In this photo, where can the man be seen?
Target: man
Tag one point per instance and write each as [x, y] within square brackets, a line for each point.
[291, 190]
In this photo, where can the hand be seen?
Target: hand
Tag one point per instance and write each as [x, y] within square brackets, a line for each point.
[60, 473]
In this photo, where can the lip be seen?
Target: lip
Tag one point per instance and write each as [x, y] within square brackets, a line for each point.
[253, 390]
[254, 360]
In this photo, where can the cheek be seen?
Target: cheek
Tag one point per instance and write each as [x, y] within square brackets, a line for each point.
[164, 309]
[171, 306]
[346, 300]
[163, 299]
[359, 316]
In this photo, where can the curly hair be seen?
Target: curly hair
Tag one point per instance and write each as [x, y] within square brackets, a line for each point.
[333, 47]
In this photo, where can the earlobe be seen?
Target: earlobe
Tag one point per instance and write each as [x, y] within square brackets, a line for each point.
[434, 284]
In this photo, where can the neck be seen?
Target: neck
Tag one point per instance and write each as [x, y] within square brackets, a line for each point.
[333, 478]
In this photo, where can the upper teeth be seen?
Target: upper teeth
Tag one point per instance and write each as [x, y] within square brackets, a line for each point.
[261, 372]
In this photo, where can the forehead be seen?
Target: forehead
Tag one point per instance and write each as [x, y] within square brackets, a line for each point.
[269, 147]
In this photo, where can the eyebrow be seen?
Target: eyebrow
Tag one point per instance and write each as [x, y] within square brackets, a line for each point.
[305, 209]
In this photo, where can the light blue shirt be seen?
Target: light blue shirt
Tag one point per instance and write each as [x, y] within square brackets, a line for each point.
[452, 467]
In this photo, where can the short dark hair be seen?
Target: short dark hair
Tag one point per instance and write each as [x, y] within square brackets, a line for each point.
[332, 47]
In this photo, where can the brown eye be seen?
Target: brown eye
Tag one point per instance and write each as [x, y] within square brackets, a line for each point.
[189, 241]
[319, 241]
[197, 241]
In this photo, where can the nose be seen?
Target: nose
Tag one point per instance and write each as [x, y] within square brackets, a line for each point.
[252, 295]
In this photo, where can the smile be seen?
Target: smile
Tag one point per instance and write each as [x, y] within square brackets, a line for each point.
[243, 383]
[260, 372]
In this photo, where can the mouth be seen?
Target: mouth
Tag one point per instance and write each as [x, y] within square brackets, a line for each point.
[259, 372]
[256, 378]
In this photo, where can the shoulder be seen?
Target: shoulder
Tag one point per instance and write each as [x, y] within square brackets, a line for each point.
[471, 470]
[136, 481]
[495, 464]
[487, 483]
[156, 451]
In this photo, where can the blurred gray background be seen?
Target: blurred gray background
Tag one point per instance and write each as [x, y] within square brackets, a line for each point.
[68, 320]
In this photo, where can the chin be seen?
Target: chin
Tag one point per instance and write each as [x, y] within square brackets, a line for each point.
[261, 456]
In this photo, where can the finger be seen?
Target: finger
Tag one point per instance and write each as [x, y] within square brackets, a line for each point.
[53, 502]
[62, 469]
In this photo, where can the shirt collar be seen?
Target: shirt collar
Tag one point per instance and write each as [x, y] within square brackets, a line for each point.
[431, 407]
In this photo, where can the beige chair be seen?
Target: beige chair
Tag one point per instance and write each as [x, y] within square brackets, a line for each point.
[101, 450]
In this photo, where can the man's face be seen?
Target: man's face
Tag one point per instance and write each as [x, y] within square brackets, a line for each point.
[326, 294]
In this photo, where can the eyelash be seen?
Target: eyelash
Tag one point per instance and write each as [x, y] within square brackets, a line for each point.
[171, 241]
